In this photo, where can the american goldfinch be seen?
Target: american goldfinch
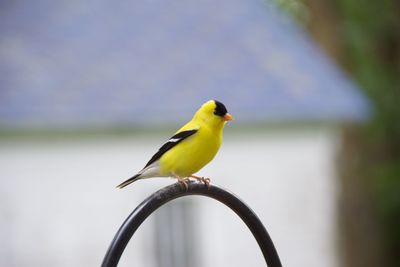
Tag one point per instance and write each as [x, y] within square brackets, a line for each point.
[190, 148]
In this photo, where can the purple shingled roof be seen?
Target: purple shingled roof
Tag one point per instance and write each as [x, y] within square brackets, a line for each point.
[73, 62]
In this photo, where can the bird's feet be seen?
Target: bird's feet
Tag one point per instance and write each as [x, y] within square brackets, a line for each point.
[184, 182]
[203, 180]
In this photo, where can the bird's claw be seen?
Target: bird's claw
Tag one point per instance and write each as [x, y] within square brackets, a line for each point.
[206, 181]
[184, 183]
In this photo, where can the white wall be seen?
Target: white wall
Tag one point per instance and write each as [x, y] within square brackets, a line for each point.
[59, 205]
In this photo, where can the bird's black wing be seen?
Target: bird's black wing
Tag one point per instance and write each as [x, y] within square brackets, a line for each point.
[173, 141]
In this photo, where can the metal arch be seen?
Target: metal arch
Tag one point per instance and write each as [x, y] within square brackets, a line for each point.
[168, 193]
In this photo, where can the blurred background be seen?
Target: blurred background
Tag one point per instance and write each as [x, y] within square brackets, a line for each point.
[89, 90]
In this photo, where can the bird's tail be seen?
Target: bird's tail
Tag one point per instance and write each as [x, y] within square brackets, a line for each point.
[129, 181]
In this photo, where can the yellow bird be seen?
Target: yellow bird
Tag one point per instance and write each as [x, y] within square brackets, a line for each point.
[190, 149]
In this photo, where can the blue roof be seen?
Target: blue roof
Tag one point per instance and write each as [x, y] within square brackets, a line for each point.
[75, 62]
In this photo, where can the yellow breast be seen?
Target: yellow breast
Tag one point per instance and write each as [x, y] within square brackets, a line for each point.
[191, 154]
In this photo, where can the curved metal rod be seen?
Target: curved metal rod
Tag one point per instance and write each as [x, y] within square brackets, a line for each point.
[168, 193]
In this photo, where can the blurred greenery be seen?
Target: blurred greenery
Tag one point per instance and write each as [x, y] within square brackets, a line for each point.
[371, 39]
[296, 9]
[368, 36]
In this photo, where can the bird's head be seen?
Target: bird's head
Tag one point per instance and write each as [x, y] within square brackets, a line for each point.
[213, 112]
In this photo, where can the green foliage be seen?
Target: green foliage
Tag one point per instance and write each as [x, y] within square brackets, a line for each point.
[371, 37]
[370, 31]
[295, 8]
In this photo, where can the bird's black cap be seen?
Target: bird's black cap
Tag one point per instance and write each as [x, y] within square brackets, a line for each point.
[220, 109]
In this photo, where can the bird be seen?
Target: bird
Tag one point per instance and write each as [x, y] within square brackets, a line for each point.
[192, 147]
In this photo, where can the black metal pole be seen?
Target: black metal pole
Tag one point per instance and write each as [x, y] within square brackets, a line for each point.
[174, 191]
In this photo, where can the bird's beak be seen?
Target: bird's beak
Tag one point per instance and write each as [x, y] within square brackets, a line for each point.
[227, 117]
